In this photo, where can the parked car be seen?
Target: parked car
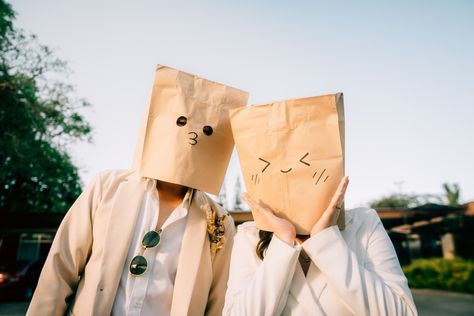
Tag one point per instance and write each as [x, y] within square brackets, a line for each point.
[18, 279]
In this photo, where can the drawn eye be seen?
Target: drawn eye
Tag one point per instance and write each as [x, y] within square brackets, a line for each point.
[304, 162]
[267, 162]
[207, 130]
[181, 121]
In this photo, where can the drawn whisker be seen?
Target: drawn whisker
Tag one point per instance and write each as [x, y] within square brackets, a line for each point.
[320, 176]
[314, 175]
[326, 178]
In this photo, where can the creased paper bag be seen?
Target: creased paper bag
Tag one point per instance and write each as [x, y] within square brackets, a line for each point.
[185, 137]
[292, 155]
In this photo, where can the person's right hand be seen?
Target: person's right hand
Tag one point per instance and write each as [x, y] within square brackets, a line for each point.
[280, 227]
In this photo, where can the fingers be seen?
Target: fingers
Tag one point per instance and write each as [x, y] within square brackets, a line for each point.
[331, 214]
[281, 227]
[338, 196]
[334, 207]
[256, 207]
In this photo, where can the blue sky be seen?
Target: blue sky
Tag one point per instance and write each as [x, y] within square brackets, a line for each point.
[406, 69]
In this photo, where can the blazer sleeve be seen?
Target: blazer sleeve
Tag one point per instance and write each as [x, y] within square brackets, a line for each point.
[220, 268]
[68, 255]
[258, 287]
[376, 286]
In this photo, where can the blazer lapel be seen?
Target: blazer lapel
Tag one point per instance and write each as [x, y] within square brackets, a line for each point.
[302, 293]
[316, 280]
[190, 256]
[121, 227]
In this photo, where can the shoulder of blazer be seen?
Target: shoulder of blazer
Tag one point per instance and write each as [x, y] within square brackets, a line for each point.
[368, 216]
[360, 221]
[110, 179]
[116, 175]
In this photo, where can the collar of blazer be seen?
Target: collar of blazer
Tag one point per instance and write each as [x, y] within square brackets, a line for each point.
[128, 198]
[301, 290]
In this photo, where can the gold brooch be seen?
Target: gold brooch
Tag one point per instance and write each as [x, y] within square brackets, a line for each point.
[215, 229]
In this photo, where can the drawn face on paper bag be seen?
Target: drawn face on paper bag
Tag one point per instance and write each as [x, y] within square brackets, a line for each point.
[193, 136]
[291, 156]
[317, 175]
[186, 136]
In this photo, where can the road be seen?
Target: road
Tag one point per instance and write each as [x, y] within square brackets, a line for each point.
[428, 302]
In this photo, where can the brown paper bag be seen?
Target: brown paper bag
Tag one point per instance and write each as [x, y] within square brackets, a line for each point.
[292, 155]
[185, 137]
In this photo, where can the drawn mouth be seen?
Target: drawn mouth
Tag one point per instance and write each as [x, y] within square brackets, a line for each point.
[286, 171]
[193, 140]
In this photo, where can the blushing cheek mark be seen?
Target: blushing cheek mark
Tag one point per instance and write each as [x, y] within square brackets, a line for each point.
[255, 179]
[320, 177]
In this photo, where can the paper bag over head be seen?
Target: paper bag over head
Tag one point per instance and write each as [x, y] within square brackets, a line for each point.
[292, 156]
[185, 136]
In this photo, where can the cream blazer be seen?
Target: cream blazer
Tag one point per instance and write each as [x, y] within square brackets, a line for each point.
[352, 272]
[83, 268]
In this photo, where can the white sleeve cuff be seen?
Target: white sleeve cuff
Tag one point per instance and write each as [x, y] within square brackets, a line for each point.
[325, 245]
[281, 248]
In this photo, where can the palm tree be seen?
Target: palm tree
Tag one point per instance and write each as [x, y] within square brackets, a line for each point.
[223, 196]
[238, 200]
[452, 193]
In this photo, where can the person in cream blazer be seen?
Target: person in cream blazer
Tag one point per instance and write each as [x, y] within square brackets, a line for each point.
[351, 272]
[83, 269]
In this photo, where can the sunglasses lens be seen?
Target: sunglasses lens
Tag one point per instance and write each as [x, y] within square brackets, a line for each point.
[138, 265]
[151, 239]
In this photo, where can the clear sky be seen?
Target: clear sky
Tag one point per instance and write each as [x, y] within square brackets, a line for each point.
[406, 69]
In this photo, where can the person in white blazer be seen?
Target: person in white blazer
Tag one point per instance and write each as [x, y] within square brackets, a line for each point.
[330, 272]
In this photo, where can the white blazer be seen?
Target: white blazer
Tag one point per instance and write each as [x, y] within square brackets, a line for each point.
[352, 272]
[82, 272]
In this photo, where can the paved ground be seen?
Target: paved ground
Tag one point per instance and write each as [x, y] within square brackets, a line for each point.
[438, 303]
[428, 302]
[13, 308]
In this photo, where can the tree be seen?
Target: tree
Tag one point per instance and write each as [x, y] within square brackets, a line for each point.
[223, 196]
[400, 200]
[238, 200]
[394, 200]
[40, 117]
[6, 18]
[452, 192]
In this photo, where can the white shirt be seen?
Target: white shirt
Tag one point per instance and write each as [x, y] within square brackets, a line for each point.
[151, 293]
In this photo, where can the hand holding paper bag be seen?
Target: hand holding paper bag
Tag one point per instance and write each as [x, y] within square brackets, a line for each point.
[292, 156]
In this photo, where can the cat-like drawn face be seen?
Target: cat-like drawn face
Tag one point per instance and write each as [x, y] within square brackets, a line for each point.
[318, 175]
[291, 156]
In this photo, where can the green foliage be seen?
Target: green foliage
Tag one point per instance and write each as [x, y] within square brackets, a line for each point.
[452, 193]
[6, 18]
[394, 200]
[405, 200]
[238, 204]
[39, 118]
[438, 273]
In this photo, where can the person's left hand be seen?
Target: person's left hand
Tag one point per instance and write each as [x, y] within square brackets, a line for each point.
[330, 215]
